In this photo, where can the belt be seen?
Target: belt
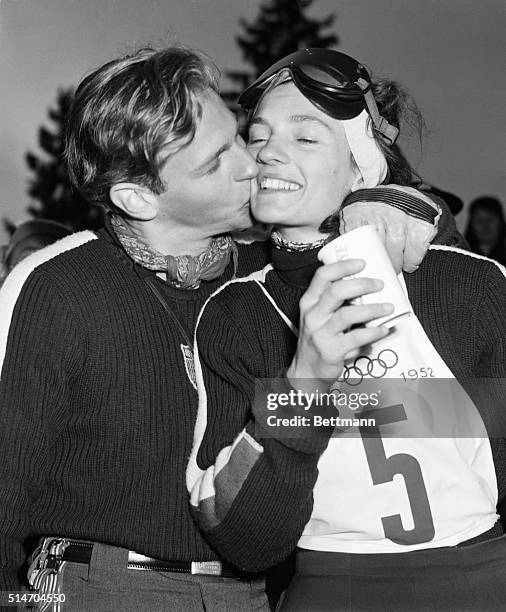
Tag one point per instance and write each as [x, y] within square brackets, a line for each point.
[80, 552]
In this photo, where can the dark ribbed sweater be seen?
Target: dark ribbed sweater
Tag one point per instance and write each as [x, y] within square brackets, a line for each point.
[97, 407]
[261, 493]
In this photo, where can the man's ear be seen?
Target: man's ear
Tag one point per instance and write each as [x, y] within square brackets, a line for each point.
[136, 201]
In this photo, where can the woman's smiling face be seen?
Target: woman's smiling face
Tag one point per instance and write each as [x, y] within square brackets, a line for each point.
[305, 163]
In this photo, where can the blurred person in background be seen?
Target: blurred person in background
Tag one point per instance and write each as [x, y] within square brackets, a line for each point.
[28, 237]
[486, 229]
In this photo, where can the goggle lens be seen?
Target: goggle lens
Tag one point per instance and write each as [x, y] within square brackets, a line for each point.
[322, 77]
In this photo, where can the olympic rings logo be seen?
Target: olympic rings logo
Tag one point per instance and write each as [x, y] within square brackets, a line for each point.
[365, 366]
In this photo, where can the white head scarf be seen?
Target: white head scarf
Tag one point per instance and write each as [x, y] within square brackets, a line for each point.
[369, 158]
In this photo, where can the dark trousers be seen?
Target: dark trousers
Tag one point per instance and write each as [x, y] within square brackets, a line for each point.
[471, 578]
[107, 585]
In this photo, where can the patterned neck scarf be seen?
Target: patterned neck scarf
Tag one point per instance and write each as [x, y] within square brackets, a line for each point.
[183, 271]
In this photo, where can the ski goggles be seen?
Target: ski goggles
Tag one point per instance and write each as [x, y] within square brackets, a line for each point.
[334, 82]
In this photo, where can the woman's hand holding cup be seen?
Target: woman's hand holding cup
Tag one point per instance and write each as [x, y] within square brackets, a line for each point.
[327, 332]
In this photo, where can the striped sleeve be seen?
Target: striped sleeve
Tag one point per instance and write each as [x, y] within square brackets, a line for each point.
[250, 495]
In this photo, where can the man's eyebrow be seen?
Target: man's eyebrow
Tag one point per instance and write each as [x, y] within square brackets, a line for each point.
[294, 119]
[213, 157]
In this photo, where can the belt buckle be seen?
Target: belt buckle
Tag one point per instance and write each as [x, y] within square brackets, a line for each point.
[209, 568]
[46, 560]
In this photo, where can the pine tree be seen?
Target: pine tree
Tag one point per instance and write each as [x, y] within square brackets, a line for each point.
[50, 187]
[281, 27]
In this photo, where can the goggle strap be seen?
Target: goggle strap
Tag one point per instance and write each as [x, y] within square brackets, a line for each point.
[390, 132]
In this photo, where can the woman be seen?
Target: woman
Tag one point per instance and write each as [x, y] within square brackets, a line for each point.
[381, 522]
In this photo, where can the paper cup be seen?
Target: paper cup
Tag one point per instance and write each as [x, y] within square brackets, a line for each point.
[365, 243]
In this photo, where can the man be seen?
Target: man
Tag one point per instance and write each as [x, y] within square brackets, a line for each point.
[97, 387]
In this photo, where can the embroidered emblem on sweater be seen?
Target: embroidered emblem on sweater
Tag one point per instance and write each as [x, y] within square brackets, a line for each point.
[189, 364]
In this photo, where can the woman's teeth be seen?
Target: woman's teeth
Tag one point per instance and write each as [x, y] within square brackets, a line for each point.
[278, 184]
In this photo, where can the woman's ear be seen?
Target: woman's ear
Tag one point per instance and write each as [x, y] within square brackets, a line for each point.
[135, 201]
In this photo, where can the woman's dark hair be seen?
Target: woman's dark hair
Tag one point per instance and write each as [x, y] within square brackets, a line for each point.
[396, 105]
